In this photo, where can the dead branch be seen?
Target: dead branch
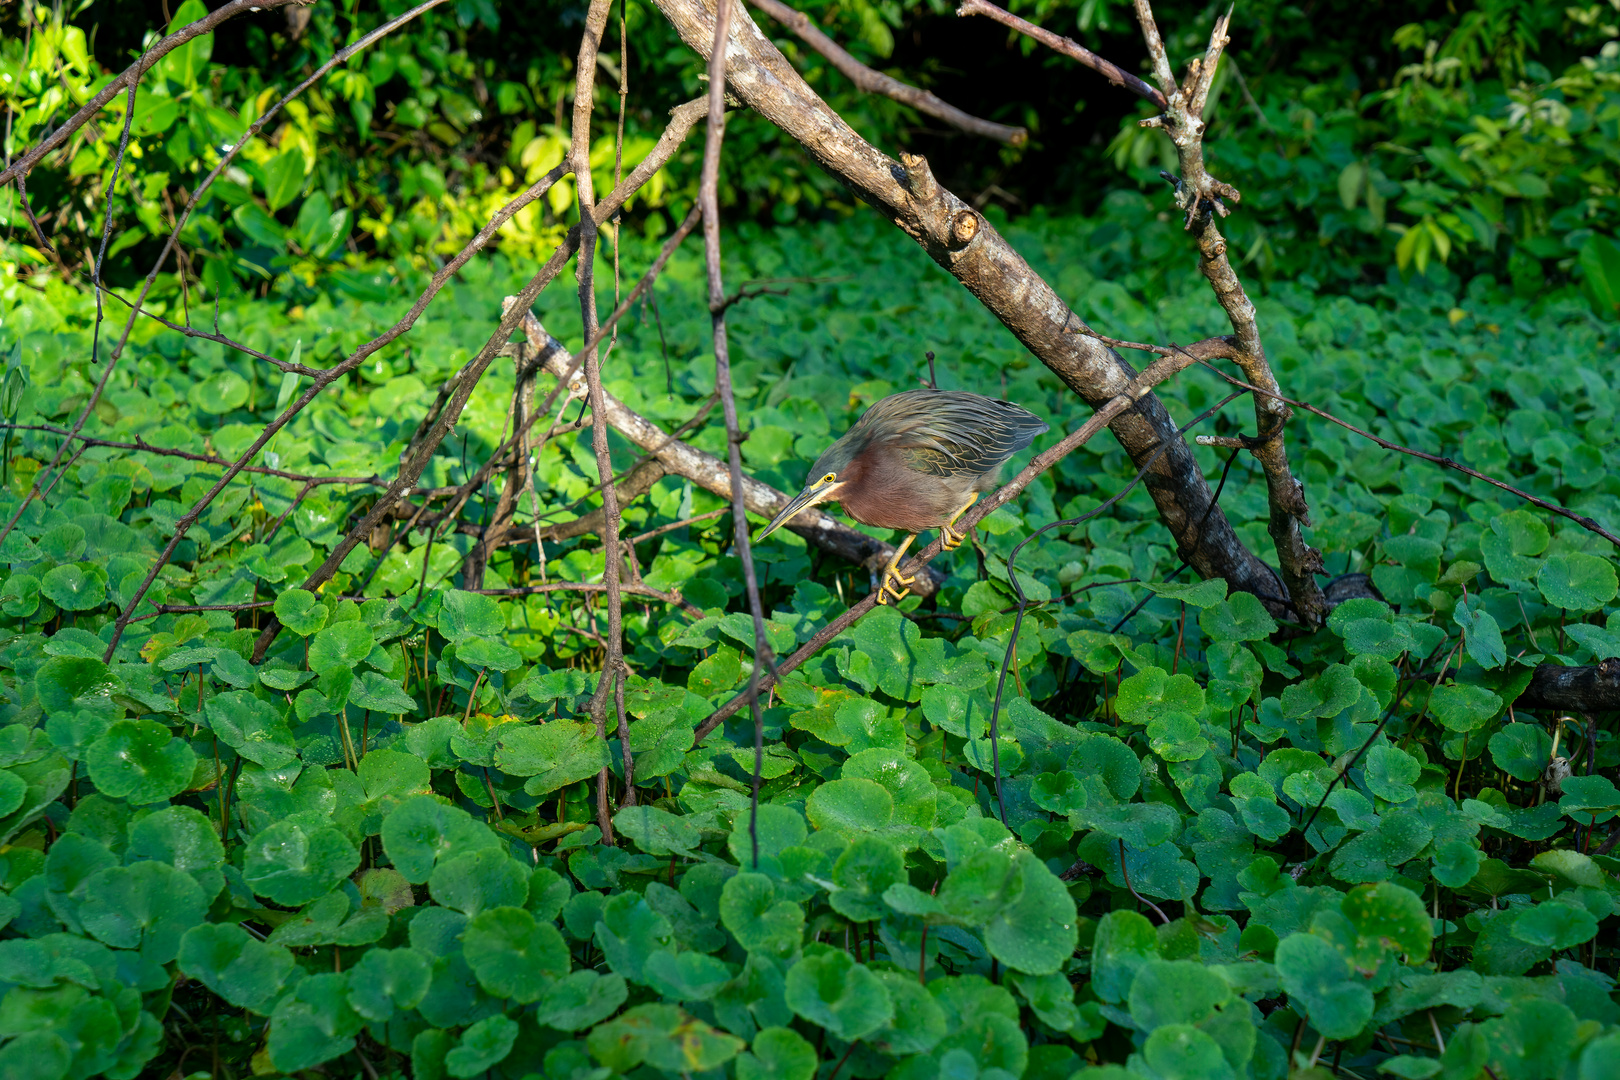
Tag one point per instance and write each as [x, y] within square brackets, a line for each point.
[1072, 49]
[873, 81]
[962, 242]
[713, 475]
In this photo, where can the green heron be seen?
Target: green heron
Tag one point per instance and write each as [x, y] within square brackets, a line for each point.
[914, 461]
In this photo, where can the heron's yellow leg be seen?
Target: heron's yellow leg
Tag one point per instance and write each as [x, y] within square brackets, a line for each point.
[891, 586]
[949, 538]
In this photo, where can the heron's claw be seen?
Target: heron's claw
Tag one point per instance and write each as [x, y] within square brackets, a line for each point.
[950, 539]
[893, 588]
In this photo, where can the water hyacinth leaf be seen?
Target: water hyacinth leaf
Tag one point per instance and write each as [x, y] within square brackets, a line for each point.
[140, 761]
[832, 991]
[1316, 975]
[301, 612]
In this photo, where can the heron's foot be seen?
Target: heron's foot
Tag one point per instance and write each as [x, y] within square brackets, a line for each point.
[950, 539]
[893, 588]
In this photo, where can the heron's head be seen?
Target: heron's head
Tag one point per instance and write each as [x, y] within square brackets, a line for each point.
[827, 479]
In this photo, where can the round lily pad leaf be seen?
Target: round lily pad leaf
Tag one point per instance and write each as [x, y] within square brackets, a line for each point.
[148, 906]
[1176, 992]
[140, 761]
[1463, 707]
[482, 1047]
[1455, 863]
[74, 587]
[244, 971]
[1036, 933]
[219, 393]
[1522, 751]
[1183, 1052]
[862, 873]
[252, 727]
[581, 1000]
[1575, 581]
[850, 807]
[465, 615]
[1555, 925]
[1389, 913]
[301, 612]
[757, 919]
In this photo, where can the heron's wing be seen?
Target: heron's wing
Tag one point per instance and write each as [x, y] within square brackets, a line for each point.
[947, 433]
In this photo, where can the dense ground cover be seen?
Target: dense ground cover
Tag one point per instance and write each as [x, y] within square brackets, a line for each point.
[1220, 849]
[303, 860]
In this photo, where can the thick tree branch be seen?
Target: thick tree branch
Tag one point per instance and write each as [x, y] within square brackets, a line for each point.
[875, 82]
[962, 242]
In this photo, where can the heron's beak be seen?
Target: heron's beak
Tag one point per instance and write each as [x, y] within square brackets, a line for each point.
[810, 496]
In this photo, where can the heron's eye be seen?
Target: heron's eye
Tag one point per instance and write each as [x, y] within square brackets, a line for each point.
[829, 478]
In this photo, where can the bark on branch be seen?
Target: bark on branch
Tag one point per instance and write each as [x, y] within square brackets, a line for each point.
[875, 82]
[962, 242]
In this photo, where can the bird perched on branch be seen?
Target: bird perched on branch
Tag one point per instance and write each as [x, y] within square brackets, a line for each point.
[915, 461]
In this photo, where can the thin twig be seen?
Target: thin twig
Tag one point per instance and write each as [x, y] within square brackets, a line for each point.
[1073, 50]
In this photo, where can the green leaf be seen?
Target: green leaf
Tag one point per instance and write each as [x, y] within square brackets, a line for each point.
[1391, 772]
[284, 178]
[140, 761]
[466, 615]
[1455, 863]
[424, 829]
[290, 864]
[312, 1024]
[244, 971]
[388, 979]
[552, 755]
[147, 906]
[630, 931]
[778, 828]
[67, 684]
[759, 921]
[301, 612]
[1575, 581]
[657, 832]
[344, 645]
[1241, 617]
[581, 1000]
[1555, 925]
[1481, 634]
[685, 976]
[663, 1037]
[474, 881]
[219, 393]
[1199, 594]
[1522, 751]
[1600, 263]
[832, 991]
[75, 588]
[1508, 547]
[850, 807]
[1392, 915]
[1153, 691]
[1124, 943]
[482, 1046]
[1175, 992]
[780, 1053]
[1463, 708]
[513, 955]
[1316, 976]
[862, 873]
[1183, 1052]
[251, 727]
